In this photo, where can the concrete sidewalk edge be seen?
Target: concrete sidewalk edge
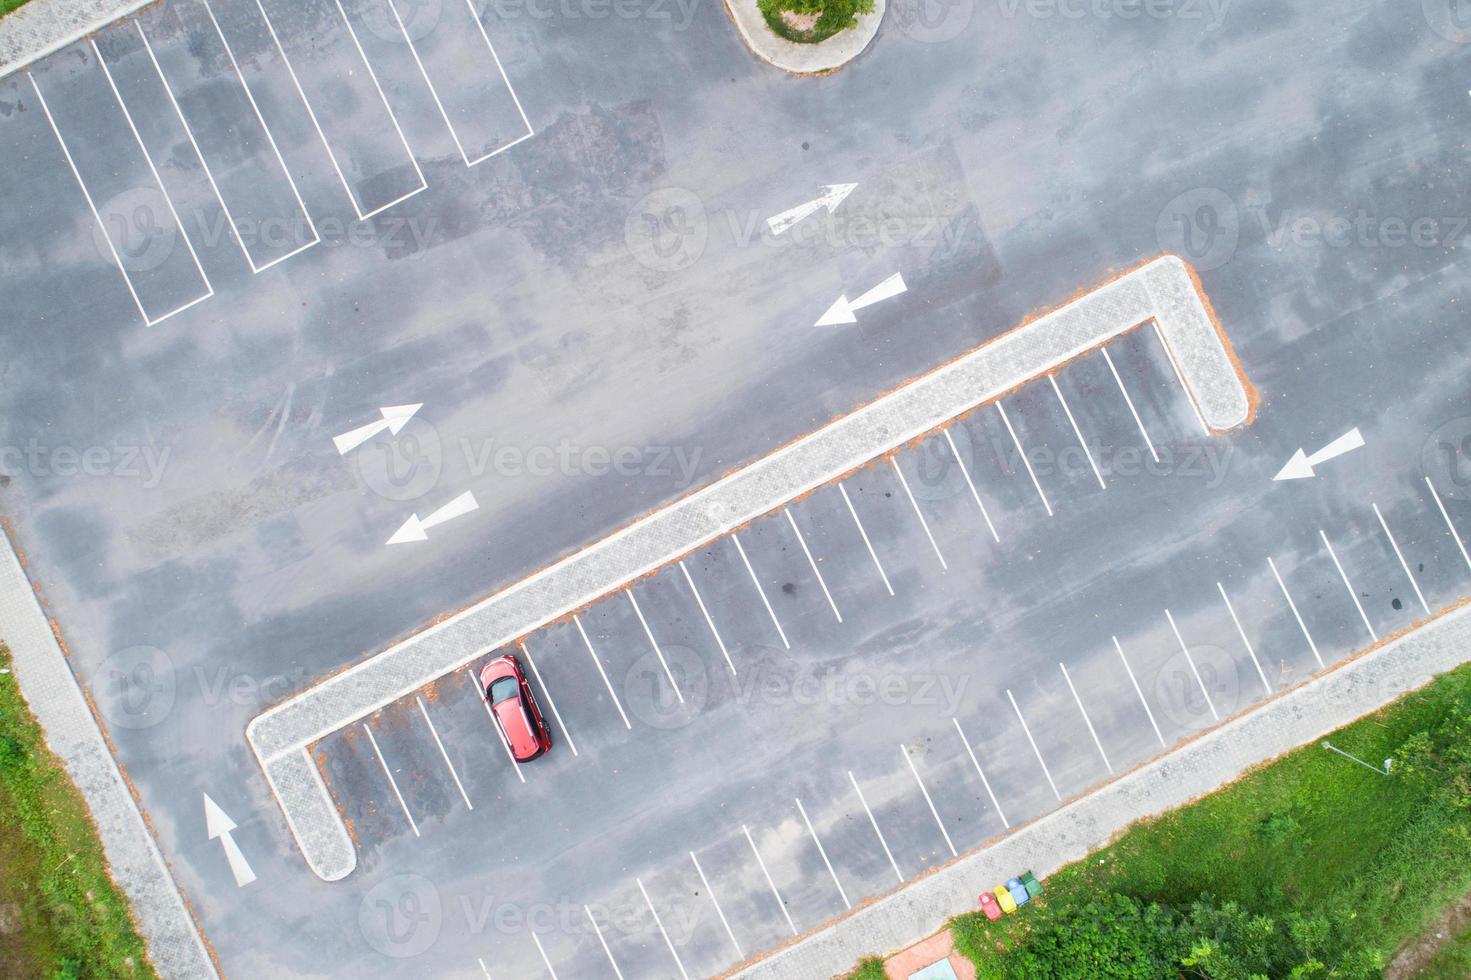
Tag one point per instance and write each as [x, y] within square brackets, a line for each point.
[1218, 757]
[43, 27]
[803, 59]
[175, 946]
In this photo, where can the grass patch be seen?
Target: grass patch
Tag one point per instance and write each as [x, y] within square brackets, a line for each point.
[1310, 866]
[6, 6]
[868, 968]
[827, 17]
[61, 916]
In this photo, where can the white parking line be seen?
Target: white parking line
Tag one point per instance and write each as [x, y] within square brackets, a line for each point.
[811, 561]
[875, 824]
[1076, 431]
[393, 783]
[659, 922]
[822, 851]
[980, 772]
[611, 962]
[183, 232]
[1130, 402]
[708, 621]
[483, 968]
[918, 513]
[435, 93]
[1348, 585]
[970, 483]
[1401, 556]
[312, 115]
[500, 736]
[352, 33]
[780, 902]
[761, 592]
[443, 754]
[1139, 691]
[46, 110]
[209, 174]
[1455, 536]
[1295, 614]
[550, 703]
[1181, 378]
[1193, 669]
[655, 644]
[866, 543]
[602, 673]
[250, 97]
[929, 802]
[1086, 720]
[1035, 751]
[1247, 643]
[1022, 453]
[544, 958]
[716, 902]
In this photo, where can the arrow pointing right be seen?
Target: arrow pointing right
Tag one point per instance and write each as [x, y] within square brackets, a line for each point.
[1300, 466]
[832, 196]
[395, 417]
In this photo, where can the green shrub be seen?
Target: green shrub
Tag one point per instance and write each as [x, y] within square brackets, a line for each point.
[833, 16]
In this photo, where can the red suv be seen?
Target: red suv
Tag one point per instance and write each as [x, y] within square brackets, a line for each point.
[514, 708]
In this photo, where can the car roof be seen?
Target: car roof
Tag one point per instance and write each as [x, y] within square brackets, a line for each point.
[516, 723]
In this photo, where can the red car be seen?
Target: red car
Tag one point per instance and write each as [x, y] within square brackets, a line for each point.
[514, 709]
[989, 906]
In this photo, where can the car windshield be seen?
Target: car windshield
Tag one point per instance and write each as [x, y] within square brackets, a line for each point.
[502, 689]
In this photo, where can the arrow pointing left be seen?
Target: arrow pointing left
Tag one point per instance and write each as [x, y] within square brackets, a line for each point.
[395, 417]
[218, 825]
[415, 527]
[842, 311]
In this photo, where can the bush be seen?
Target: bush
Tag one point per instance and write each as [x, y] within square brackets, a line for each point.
[833, 16]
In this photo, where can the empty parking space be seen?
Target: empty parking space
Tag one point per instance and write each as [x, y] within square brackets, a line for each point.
[137, 224]
[225, 127]
[303, 58]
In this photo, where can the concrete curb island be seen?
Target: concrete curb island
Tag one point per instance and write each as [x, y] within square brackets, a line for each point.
[803, 59]
[1265, 732]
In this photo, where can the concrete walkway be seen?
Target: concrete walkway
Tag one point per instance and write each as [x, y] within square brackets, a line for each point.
[803, 59]
[43, 26]
[1295, 718]
[46, 680]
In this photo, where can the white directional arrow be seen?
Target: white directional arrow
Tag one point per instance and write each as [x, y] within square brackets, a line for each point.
[413, 529]
[842, 311]
[832, 196]
[1300, 466]
[217, 824]
[395, 417]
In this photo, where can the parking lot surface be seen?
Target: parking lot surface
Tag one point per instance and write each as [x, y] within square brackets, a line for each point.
[234, 230]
